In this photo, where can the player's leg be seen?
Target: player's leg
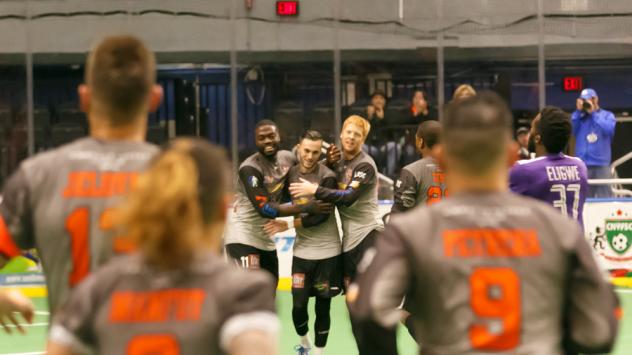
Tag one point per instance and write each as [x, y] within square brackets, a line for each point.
[301, 287]
[327, 284]
[322, 323]
[270, 263]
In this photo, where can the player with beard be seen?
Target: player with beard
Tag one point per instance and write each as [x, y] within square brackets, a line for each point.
[487, 270]
[552, 176]
[422, 182]
[260, 194]
[316, 265]
[356, 198]
[61, 201]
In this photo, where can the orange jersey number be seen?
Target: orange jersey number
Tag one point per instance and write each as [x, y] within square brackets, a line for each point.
[78, 227]
[155, 344]
[495, 295]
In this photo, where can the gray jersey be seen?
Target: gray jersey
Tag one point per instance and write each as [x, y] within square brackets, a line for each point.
[419, 183]
[490, 272]
[356, 199]
[318, 238]
[129, 308]
[61, 201]
[261, 182]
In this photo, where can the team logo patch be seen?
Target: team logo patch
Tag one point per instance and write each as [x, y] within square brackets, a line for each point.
[298, 280]
[253, 181]
[322, 286]
[398, 184]
[359, 175]
[619, 235]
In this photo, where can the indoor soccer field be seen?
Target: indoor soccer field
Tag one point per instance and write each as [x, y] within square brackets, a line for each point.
[340, 339]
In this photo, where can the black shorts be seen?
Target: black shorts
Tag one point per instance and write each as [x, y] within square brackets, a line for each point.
[322, 278]
[351, 259]
[250, 257]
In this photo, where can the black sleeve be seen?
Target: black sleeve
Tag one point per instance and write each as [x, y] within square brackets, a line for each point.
[363, 176]
[252, 180]
[405, 192]
[311, 220]
[16, 216]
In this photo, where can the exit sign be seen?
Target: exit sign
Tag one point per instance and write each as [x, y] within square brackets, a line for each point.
[287, 8]
[573, 83]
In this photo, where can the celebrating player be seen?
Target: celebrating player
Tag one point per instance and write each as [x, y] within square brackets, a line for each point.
[177, 295]
[552, 177]
[421, 182]
[59, 201]
[488, 270]
[316, 265]
[259, 197]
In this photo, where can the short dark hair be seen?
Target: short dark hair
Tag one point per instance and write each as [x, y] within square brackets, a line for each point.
[121, 72]
[476, 131]
[554, 128]
[429, 132]
[378, 92]
[312, 135]
[265, 123]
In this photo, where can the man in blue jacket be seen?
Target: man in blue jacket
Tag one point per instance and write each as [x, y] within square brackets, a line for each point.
[593, 128]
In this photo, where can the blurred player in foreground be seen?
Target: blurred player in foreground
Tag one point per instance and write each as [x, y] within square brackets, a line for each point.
[177, 295]
[317, 264]
[486, 270]
[60, 201]
[260, 195]
[422, 182]
[552, 177]
[356, 197]
[11, 302]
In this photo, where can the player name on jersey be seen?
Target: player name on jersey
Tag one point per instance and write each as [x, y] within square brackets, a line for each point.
[98, 184]
[157, 306]
[563, 173]
[508, 243]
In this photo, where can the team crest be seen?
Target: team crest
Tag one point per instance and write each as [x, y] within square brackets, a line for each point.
[254, 182]
[619, 234]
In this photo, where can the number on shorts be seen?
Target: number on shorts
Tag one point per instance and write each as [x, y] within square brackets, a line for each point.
[495, 296]
[561, 203]
[78, 227]
[155, 344]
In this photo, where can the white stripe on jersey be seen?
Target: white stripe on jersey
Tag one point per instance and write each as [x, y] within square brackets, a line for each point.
[527, 161]
[264, 321]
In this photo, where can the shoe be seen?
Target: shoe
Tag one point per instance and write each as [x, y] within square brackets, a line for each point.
[301, 350]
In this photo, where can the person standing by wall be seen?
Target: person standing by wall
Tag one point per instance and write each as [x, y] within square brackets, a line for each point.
[593, 128]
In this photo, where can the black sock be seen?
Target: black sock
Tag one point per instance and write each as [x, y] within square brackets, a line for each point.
[323, 321]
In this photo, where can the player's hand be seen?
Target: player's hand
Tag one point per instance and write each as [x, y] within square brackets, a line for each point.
[333, 155]
[318, 207]
[275, 226]
[579, 104]
[11, 302]
[303, 189]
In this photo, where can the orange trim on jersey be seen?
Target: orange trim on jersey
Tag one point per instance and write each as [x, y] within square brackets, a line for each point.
[157, 306]
[8, 248]
[438, 177]
[498, 243]
[94, 184]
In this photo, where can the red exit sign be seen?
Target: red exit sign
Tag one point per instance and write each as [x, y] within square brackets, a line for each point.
[287, 8]
[573, 83]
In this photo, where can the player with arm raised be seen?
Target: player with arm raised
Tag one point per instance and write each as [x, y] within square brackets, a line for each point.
[177, 295]
[421, 182]
[259, 198]
[60, 201]
[317, 264]
[552, 177]
[486, 271]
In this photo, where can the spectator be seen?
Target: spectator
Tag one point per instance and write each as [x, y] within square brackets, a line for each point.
[593, 128]
[420, 108]
[381, 143]
[522, 137]
[463, 91]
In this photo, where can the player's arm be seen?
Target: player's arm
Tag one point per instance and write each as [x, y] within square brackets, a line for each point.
[252, 180]
[15, 218]
[593, 308]
[362, 177]
[405, 192]
[71, 331]
[383, 280]
[250, 323]
[314, 219]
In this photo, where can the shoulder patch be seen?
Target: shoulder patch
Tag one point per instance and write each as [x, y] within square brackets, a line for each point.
[253, 181]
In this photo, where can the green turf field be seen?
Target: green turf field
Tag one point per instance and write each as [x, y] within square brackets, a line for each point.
[340, 339]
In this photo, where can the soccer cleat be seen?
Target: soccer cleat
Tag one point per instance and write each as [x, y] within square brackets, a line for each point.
[301, 350]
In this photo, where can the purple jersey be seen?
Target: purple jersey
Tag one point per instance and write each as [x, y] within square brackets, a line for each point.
[557, 179]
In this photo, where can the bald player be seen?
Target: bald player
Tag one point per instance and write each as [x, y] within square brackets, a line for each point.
[421, 182]
[487, 271]
[60, 201]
